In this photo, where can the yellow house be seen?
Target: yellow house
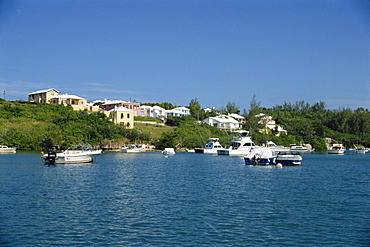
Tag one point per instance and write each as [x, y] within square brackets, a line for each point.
[121, 115]
[43, 96]
[76, 102]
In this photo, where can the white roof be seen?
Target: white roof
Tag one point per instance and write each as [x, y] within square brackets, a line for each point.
[44, 91]
[224, 119]
[151, 107]
[234, 115]
[66, 96]
[110, 102]
[120, 108]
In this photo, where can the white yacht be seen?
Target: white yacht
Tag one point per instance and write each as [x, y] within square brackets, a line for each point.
[239, 145]
[75, 154]
[337, 148]
[211, 147]
[6, 150]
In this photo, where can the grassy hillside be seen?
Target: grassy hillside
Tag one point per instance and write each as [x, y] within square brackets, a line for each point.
[154, 131]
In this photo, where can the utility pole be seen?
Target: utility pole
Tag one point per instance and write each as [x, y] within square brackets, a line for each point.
[4, 93]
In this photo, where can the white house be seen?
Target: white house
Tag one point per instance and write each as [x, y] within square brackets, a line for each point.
[154, 111]
[270, 125]
[224, 122]
[178, 112]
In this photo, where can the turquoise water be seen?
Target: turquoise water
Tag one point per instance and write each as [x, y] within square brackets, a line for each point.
[184, 200]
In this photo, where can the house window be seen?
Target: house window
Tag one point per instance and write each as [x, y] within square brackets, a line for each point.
[122, 116]
[128, 115]
[128, 124]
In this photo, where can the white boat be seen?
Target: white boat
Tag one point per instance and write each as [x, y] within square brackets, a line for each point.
[168, 151]
[239, 145]
[275, 148]
[337, 148]
[132, 148]
[291, 158]
[211, 147]
[260, 156]
[6, 150]
[73, 155]
[300, 149]
[361, 150]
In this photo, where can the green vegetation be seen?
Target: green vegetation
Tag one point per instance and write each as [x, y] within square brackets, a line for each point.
[148, 119]
[35, 126]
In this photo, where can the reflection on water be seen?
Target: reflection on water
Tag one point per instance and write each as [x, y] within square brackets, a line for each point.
[184, 200]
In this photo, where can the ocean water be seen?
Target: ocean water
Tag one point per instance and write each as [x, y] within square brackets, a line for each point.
[186, 199]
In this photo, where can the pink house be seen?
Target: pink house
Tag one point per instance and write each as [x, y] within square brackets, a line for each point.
[135, 107]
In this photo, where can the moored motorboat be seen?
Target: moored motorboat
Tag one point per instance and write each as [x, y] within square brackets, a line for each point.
[361, 150]
[239, 145]
[131, 148]
[260, 156]
[75, 154]
[6, 150]
[301, 149]
[291, 158]
[211, 147]
[276, 148]
[168, 151]
[337, 148]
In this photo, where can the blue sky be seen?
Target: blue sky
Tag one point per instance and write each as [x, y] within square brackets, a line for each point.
[217, 51]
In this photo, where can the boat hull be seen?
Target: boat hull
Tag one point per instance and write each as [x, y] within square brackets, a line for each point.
[336, 151]
[261, 162]
[74, 160]
[130, 151]
[7, 151]
[235, 152]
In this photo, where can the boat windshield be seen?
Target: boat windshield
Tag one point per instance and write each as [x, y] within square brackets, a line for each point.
[80, 147]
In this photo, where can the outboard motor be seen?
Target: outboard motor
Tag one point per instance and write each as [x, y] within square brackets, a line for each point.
[51, 157]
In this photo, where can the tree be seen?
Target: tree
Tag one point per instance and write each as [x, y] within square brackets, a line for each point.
[195, 108]
[232, 108]
[253, 120]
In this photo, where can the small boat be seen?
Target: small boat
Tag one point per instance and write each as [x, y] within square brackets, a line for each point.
[337, 148]
[301, 149]
[275, 148]
[239, 145]
[291, 158]
[260, 156]
[211, 147]
[168, 151]
[75, 154]
[7, 150]
[132, 148]
[361, 150]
